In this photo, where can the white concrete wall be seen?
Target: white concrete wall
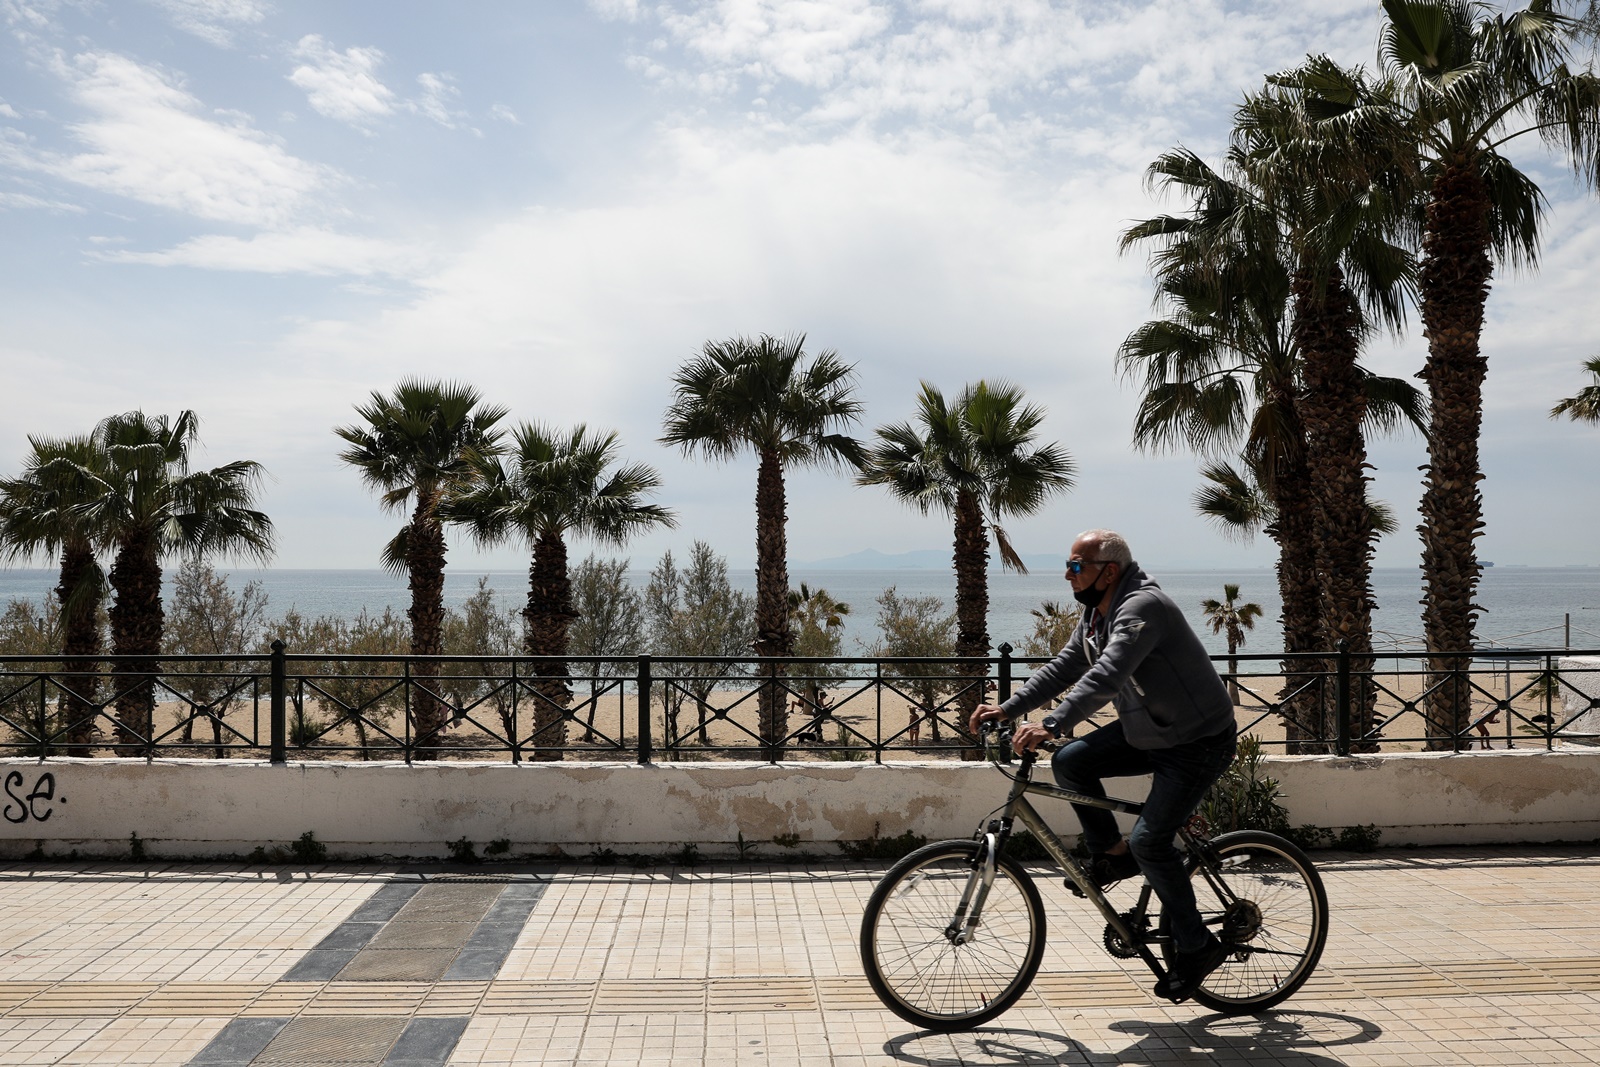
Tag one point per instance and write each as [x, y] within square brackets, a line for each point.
[183, 808]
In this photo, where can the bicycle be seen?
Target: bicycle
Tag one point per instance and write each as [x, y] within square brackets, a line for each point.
[954, 933]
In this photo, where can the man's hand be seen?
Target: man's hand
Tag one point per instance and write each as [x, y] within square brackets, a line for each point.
[1029, 736]
[985, 713]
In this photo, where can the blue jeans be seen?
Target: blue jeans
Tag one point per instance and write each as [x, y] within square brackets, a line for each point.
[1182, 776]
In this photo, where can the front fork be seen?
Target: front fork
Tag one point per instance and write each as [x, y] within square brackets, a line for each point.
[964, 925]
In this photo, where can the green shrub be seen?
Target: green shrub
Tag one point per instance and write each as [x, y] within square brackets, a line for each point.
[462, 851]
[1359, 838]
[135, 847]
[1244, 798]
[498, 847]
[882, 848]
[308, 849]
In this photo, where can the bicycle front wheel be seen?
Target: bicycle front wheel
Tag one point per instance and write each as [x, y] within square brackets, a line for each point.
[909, 942]
[1274, 909]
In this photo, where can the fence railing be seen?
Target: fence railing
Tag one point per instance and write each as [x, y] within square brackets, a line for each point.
[286, 705]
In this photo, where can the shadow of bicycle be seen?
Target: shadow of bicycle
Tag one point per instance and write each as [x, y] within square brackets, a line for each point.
[1280, 1037]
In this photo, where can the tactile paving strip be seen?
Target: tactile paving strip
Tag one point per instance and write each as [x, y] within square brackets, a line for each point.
[720, 995]
[1089, 989]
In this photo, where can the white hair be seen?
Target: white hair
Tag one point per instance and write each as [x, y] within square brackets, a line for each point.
[1109, 547]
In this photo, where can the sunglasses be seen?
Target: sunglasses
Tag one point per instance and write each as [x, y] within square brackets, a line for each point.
[1075, 566]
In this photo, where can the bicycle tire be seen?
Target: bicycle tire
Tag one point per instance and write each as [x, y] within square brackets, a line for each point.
[1280, 941]
[915, 968]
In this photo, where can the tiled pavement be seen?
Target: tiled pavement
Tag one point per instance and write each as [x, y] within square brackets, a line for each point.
[1460, 956]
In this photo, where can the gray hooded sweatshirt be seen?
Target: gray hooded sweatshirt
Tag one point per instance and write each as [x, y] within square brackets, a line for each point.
[1144, 658]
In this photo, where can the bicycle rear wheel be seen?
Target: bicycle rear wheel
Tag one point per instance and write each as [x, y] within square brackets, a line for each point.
[911, 956]
[1278, 918]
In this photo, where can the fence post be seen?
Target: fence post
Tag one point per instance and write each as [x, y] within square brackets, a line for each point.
[645, 744]
[1005, 672]
[279, 718]
[1341, 701]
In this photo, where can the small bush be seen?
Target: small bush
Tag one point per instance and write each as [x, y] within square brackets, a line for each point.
[37, 853]
[1359, 838]
[1308, 836]
[747, 849]
[847, 751]
[257, 855]
[882, 848]
[308, 849]
[687, 856]
[136, 848]
[498, 847]
[303, 729]
[603, 856]
[462, 851]
[1244, 798]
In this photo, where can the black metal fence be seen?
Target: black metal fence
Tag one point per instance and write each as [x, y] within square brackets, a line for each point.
[297, 706]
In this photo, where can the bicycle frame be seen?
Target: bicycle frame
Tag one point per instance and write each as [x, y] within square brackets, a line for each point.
[1017, 808]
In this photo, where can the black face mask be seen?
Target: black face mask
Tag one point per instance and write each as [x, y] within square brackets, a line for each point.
[1088, 596]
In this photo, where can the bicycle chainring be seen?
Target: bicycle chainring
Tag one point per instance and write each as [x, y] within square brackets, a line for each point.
[1139, 924]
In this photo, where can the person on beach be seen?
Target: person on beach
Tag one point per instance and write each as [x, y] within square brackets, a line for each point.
[1134, 648]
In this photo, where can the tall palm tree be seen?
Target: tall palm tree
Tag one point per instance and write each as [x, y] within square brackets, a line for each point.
[149, 504]
[1257, 354]
[976, 458]
[1228, 616]
[1463, 83]
[41, 513]
[769, 397]
[553, 485]
[1585, 406]
[414, 446]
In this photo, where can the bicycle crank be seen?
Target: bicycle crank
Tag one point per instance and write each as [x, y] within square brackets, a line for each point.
[1115, 943]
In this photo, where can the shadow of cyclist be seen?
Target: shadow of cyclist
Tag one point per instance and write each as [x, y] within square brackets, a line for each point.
[1285, 1037]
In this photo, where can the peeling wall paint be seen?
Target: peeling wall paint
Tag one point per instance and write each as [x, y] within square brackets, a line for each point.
[203, 808]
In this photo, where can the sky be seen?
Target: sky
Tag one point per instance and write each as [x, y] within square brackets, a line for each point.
[264, 211]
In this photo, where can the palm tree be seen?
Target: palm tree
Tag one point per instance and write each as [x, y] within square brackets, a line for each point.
[1233, 618]
[1585, 406]
[41, 513]
[553, 485]
[767, 396]
[149, 504]
[977, 460]
[1462, 85]
[414, 447]
[1258, 354]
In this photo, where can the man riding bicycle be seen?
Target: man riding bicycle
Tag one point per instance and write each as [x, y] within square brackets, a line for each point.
[1134, 648]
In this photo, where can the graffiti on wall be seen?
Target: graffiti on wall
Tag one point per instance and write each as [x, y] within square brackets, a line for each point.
[37, 804]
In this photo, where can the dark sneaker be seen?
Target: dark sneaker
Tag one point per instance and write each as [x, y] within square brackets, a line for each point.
[1106, 868]
[1189, 971]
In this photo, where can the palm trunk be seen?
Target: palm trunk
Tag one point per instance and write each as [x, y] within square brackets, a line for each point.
[1294, 530]
[773, 637]
[549, 615]
[80, 647]
[1326, 329]
[1233, 664]
[425, 556]
[972, 600]
[136, 623]
[1455, 285]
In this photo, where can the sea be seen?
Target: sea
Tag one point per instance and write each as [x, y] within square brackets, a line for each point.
[1523, 607]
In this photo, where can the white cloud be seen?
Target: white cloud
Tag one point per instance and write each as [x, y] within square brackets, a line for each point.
[342, 85]
[296, 251]
[8, 111]
[437, 96]
[212, 20]
[504, 114]
[25, 200]
[1025, 67]
[150, 140]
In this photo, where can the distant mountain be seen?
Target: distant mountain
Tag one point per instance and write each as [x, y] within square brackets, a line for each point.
[923, 559]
